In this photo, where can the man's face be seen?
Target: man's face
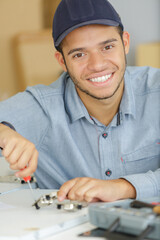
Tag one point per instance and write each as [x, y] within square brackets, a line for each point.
[95, 60]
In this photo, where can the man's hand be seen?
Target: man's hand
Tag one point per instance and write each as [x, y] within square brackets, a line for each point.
[18, 151]
[91, 190]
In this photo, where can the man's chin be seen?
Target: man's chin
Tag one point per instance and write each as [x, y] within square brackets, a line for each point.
[97, 97]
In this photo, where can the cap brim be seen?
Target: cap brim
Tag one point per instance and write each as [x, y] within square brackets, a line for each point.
[99, 21]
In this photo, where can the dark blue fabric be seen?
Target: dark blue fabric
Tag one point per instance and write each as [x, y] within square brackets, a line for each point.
[71, 13]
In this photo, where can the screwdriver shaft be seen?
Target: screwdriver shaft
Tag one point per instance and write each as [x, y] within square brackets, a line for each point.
[31, 190]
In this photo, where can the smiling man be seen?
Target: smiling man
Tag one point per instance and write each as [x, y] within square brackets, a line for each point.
[97, 128]
[94, 57]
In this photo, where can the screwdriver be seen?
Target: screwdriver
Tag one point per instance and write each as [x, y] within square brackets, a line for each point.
[140, 204]
[28, 179]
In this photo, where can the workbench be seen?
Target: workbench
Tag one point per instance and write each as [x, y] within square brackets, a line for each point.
[20, 220]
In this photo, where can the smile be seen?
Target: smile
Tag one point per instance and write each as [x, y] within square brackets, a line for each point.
[101, 79]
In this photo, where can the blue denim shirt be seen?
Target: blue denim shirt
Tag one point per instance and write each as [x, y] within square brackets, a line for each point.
[72, 144]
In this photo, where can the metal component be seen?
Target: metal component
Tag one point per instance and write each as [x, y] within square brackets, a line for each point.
[71, 206]
[45, 200]
[67, 205]
[14, 179]
[9, 179]
[59, 206]
[31, 190]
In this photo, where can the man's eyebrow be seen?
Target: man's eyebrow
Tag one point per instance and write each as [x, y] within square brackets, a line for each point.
[76, 50]
[83, 48]
[108, 41]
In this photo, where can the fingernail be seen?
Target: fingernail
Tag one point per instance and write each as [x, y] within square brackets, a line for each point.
[17, 175]
[60, 198]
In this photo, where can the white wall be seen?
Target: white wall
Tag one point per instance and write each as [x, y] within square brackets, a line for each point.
[141, 18]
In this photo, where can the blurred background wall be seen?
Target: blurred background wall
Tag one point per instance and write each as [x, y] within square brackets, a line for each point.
[141, 18]
[15, 16]
[18, 17]
[26, 46]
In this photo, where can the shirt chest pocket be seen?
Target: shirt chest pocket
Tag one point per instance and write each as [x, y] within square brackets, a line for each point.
[142, 160]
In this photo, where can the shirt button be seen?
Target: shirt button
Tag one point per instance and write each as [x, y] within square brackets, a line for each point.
[105, 135]
[108, 172]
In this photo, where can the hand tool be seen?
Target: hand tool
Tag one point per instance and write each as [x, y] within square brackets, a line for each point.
[140, 204]
[28, 179]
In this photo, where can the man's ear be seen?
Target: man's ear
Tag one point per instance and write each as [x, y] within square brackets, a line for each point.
[60, 60]
[126, 41]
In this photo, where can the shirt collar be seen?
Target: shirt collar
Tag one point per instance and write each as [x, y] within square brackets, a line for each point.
[76, 109]
[127, 105]
[74, 106]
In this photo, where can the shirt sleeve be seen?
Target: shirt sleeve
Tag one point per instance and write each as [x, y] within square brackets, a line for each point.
[146, 184]
[25, 112]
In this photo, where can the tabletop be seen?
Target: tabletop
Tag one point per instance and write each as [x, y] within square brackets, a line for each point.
[20, 220]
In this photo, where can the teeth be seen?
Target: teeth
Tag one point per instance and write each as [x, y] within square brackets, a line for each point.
[100, 79]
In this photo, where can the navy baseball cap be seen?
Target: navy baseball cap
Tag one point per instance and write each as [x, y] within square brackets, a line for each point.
[72, 14]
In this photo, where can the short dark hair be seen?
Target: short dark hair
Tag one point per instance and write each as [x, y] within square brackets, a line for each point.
[120, 31]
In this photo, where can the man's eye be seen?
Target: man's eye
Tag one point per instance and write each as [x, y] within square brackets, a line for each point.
[78, 55]
[108, 47]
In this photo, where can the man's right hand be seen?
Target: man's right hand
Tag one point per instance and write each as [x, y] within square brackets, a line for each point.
[18, 151]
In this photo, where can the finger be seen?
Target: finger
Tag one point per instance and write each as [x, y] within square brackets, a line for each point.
[79, 189]
[65, 188]
[33, 162]
[21, 160]
[31, 166]
[91, 195]
[96, 193]
[16, 156]
[8, 149]
[21, 155]
[25, 156]
[15, 149]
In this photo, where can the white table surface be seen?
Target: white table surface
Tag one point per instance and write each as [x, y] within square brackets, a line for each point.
[17, 198]
[19, 219]
[73, 233]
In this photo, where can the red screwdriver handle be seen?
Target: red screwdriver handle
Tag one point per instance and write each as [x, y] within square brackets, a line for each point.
[28, 178]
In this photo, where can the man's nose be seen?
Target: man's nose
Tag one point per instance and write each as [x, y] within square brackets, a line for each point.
[96, 62]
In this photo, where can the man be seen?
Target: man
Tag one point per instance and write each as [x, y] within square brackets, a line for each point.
[96, 129]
